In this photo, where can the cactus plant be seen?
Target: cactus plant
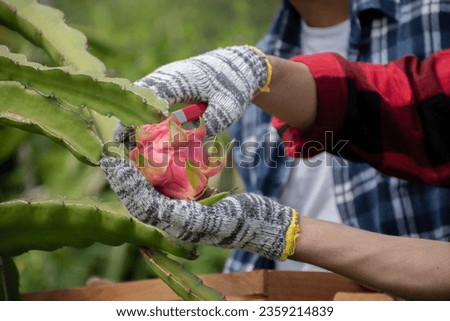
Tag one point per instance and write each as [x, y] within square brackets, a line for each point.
[72, 103]
[45, 27]
[50, 224]
[182, 282]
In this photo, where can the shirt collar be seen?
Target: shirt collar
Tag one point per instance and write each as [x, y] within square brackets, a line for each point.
[283, 38]
[286, 26]
[388, 8]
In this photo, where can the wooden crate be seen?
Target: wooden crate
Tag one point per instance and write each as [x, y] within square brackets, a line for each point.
[257, 285]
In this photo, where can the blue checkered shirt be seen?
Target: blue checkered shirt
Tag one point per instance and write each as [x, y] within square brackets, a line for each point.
[381, 31]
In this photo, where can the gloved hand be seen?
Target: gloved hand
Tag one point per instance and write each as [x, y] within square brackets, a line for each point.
[247, 221]
[226, 79]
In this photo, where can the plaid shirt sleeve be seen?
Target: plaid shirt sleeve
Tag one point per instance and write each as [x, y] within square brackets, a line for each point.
[395, 116]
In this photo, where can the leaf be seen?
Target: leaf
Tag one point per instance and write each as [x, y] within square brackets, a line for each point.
[196, 178]
[177, 133]
[26, 109]
[50, 224]
[213, 199]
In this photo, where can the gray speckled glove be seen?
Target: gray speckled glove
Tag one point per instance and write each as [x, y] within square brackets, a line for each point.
[247, 221]
[226, 79]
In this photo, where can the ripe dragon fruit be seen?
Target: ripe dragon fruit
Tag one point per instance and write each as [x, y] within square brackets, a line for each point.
[175, 160]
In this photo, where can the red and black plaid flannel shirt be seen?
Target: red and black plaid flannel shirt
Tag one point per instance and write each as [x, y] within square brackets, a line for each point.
[395, 117]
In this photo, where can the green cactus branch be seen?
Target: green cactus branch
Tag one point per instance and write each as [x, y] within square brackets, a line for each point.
[51, 224]
[107, 96]
[24, 108]
[184, 283]
[9, 280]
[15, 139]
[72, 105]
[45, 27]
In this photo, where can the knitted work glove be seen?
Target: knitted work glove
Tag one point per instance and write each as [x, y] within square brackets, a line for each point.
[227, 79]
[247, 221]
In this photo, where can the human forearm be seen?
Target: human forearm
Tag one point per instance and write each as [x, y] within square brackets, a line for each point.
[292, 95]
[405, 267]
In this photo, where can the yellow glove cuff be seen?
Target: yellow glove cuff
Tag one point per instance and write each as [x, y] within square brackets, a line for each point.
[265, 88]
[292, 234]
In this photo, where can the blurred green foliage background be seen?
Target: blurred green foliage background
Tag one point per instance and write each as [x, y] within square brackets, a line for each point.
[132, 37]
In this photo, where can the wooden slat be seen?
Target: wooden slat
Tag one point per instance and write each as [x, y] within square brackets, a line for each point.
[306, 286]
[257, 285]
[236, 286]
[345, 296]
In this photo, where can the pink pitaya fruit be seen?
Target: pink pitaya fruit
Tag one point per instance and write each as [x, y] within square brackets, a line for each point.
[175, 159]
